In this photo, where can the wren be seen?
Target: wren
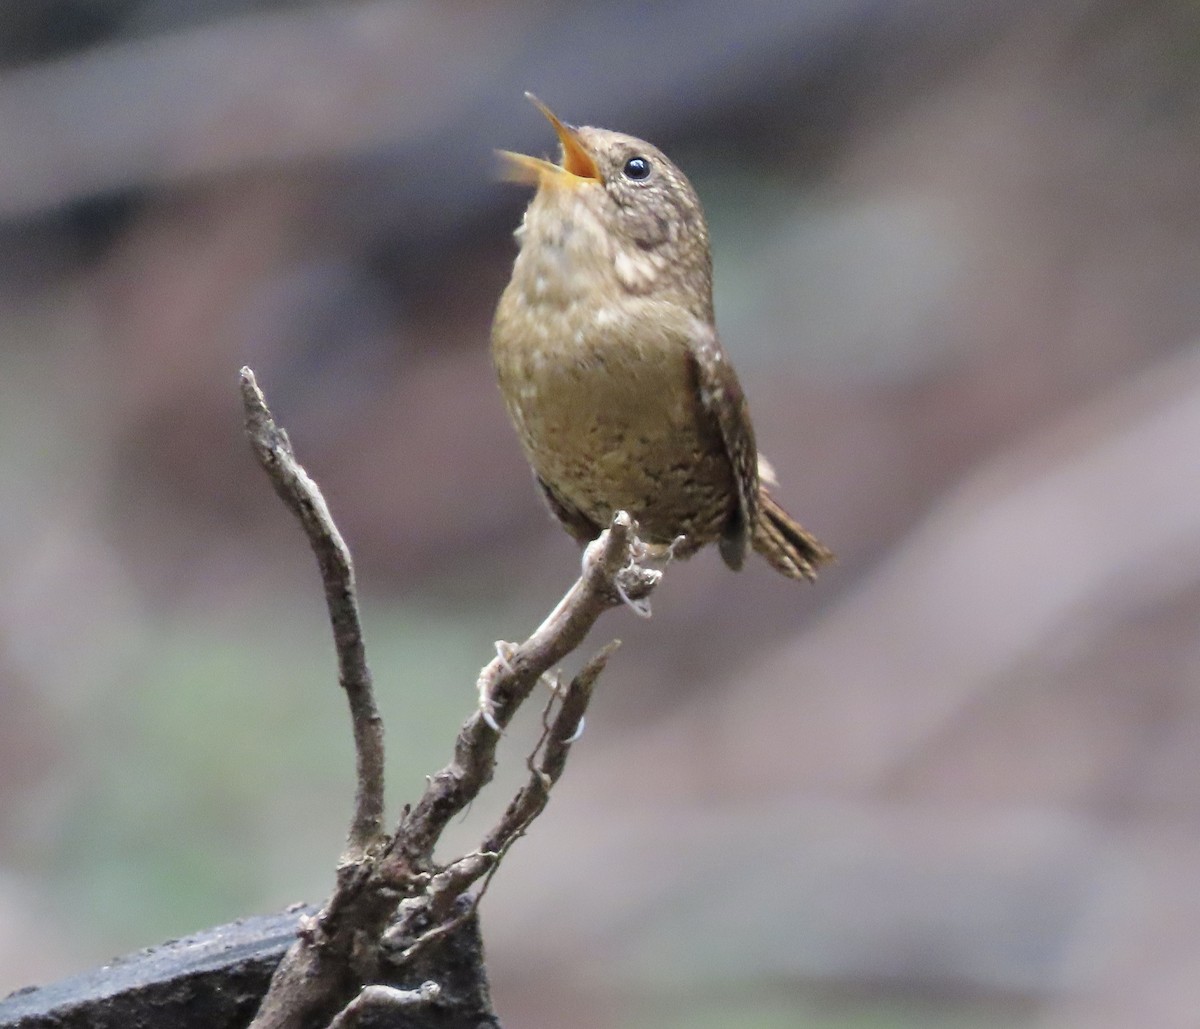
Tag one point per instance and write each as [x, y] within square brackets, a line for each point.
[609, 363]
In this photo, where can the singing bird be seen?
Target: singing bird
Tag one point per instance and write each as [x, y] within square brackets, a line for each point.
[609, 363]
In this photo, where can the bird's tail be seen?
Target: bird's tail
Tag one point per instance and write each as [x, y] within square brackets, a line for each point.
[784, 542]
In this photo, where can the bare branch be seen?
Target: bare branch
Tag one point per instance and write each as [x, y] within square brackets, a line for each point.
[385, 998]
[303, 498]
[544, 773]
[380, 880]
[610, 577]
[449, 886]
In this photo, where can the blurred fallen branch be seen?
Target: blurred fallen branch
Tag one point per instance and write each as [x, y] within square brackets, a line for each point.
[334, 81]
[212, 979]
[395, 914]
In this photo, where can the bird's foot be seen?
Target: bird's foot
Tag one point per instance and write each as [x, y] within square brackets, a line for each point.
[505, 652]
[675, 548]
[659, 555]
[630, 582]
[487, 706]
[637, 579]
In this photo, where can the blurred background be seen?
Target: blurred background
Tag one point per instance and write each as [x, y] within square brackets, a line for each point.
[956, 782]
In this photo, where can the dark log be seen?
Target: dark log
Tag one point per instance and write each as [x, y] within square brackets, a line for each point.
[212, 979]
[215, 979]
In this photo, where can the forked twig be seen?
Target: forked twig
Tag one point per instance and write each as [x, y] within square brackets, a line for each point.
[331, 975]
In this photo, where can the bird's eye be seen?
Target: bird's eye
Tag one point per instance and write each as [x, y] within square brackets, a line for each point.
[637, 168]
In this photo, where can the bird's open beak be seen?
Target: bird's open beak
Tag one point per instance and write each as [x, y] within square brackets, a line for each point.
[577, 166]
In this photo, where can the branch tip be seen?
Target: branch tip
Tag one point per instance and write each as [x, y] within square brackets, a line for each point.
[303, 498]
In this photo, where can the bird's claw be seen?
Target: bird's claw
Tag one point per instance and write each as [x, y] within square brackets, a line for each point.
[486, 712]
[505, 651]
[640, 606]
[634, 582]
[487, 709]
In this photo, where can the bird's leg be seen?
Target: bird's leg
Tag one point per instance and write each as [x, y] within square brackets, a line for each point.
[659, 555]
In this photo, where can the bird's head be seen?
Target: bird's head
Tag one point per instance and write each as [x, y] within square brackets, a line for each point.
[629, 194]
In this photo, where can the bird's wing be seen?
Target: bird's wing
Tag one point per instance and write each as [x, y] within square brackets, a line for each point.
[721, 396]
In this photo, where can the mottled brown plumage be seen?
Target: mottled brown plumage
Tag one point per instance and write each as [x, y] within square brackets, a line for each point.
[609, 362]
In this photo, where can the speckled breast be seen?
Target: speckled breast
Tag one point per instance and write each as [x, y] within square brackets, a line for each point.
[606, 405]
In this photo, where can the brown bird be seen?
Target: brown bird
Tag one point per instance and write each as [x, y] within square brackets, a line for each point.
[609, 363]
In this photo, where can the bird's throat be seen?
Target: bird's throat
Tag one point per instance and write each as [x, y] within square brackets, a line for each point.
[568, 256]
[565, 256]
